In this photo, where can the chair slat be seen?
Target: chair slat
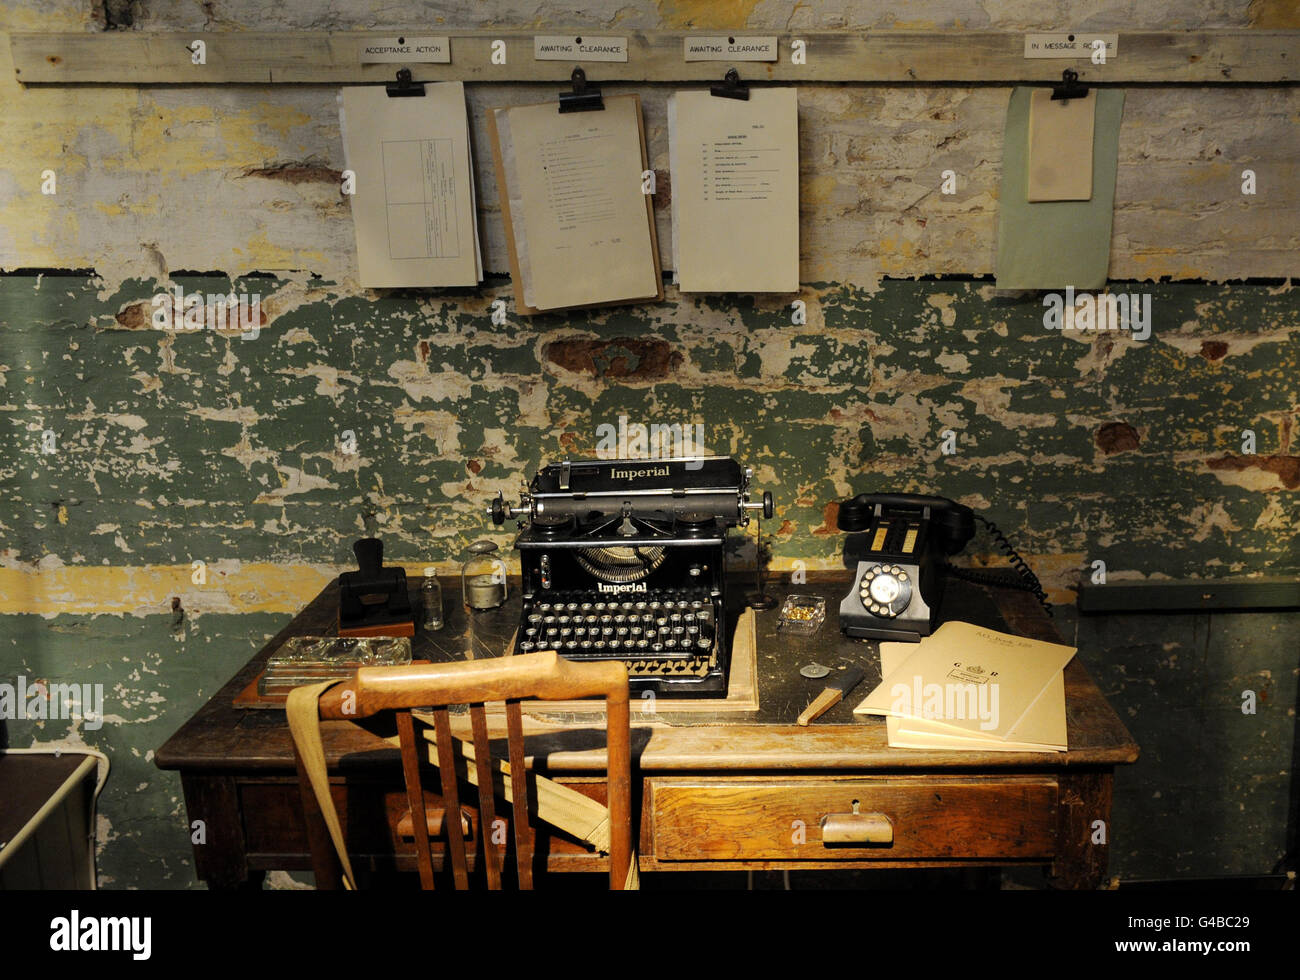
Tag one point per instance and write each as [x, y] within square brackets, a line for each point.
[519, 790]
[487, 814]
[415, 797]
[451, 797]
[619, 798]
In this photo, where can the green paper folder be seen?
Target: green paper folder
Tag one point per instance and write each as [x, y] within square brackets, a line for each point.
[1054, 244]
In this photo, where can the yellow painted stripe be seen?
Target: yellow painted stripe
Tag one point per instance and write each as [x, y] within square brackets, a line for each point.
[264, 587]
[230, 587]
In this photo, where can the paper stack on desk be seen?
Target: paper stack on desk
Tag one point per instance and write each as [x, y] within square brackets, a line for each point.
[971, 688]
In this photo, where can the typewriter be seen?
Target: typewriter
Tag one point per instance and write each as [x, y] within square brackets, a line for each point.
[624, 560]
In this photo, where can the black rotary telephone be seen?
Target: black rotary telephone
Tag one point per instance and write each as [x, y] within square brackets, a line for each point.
[902, 543]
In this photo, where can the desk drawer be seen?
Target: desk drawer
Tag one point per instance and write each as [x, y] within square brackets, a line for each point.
[913, 818]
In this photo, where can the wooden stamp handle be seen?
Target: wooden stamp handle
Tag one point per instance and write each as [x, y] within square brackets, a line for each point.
[823, 703]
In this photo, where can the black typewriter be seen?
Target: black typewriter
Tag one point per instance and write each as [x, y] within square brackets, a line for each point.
[624, 560]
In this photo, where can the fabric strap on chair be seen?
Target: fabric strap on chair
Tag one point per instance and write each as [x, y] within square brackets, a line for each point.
[304, 722]
[557, 805]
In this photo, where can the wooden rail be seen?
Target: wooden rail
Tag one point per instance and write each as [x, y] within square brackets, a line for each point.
[1213, 57]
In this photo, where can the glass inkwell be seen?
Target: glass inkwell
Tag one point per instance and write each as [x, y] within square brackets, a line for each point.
[482, 585]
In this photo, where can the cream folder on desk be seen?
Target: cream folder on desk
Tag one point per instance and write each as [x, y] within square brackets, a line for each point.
[993, 679]
[414, 207]
[735, 191]
[1042, 729]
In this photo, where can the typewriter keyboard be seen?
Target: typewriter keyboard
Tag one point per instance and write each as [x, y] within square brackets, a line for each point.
[671, 633]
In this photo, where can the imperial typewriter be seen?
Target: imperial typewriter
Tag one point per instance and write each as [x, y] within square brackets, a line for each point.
[624, 560]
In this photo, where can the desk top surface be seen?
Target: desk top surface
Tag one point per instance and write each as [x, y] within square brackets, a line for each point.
[220, 737]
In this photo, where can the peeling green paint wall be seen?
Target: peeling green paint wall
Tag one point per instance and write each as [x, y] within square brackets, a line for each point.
[171, 447]
[154, 678]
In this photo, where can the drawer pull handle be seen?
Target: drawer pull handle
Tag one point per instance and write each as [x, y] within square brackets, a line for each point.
[857, 828]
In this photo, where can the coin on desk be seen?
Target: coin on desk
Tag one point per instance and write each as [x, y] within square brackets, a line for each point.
[814, 671]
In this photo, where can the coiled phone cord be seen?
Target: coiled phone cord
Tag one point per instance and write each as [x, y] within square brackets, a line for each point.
[1028, 581]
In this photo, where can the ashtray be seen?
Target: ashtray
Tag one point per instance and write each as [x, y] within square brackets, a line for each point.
[802, 615]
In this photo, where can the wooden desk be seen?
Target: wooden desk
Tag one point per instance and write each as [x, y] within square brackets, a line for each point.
[716, 792]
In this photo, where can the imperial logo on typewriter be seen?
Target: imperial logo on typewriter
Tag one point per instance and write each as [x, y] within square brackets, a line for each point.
[635, 573]
[639, 474]
[627, 587]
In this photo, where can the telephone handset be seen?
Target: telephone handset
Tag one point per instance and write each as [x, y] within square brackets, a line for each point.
[901, 543]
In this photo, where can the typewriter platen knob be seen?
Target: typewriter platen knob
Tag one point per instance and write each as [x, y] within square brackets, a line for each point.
[766, 507]
[502, 511]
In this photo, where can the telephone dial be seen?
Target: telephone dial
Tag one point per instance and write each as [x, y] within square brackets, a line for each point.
[902, 543]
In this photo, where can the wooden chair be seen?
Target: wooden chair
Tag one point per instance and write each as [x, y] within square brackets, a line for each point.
[372, 690]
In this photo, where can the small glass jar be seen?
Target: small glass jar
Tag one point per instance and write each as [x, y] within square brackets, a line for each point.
[482, 588]
[431, 601]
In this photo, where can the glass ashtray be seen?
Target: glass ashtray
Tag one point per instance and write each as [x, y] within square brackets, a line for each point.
[308, 659]
[353, 651]
[802, 615]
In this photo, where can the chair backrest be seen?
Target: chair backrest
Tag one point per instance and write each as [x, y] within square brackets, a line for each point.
[545, 676]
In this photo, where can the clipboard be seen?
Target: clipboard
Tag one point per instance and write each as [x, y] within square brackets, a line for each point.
[503, 191]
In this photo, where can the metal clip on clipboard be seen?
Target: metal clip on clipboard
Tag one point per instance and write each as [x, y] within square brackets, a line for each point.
[1069, 88]
[731, 88]
[404, 87]
[582, 98]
